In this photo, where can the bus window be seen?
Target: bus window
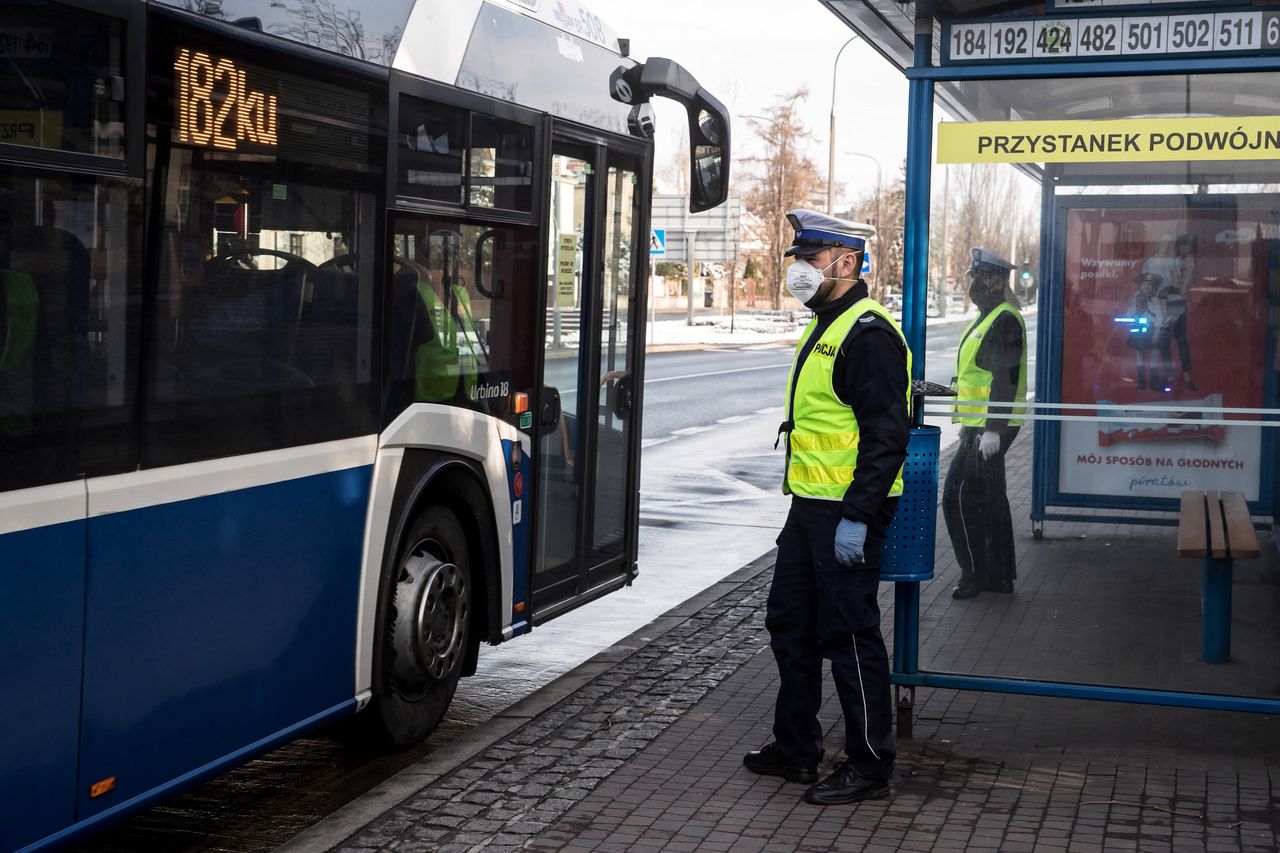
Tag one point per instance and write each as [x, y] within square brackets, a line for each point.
[501, 164]
[69, 261]
[463, 303]
[261, 331]
[432, 139]
[62, 83]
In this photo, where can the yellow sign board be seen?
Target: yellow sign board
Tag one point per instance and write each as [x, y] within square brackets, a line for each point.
[566, 269]
[1138, 140]
[40, 128]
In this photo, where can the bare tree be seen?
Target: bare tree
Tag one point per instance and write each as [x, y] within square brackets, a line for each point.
[886, 210]
[211, 8]
[983, 211]
[783, 178]
[677, 172]
[322, 23]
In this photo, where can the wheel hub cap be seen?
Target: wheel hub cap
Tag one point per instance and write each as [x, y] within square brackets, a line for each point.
[432, 607]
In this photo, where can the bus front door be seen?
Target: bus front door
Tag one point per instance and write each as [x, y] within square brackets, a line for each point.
[588, 450]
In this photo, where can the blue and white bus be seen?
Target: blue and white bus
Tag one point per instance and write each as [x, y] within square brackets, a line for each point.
[320, 365]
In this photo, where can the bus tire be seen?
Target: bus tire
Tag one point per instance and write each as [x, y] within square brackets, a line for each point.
[425, 629]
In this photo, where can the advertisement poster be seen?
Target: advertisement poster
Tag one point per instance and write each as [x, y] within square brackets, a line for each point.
[1168, 308]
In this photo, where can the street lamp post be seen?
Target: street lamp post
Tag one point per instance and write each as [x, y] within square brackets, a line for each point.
[831, 136]
[879, 220]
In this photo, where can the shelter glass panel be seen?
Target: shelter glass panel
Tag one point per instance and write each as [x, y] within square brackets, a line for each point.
[1132, 231]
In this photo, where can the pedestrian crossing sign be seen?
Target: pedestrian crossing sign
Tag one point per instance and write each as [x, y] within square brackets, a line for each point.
[866, 263]
[657, 242]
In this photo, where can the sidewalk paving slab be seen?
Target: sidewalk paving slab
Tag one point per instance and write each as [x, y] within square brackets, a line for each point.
[640, 748]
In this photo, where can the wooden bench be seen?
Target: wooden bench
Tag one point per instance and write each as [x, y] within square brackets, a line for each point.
[1216, 527]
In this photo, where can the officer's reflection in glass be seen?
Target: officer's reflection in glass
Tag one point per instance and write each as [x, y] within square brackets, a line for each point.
[991, 368]
[19, 310]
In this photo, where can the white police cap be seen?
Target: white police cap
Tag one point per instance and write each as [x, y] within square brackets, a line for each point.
[817, 231]
[985, 260]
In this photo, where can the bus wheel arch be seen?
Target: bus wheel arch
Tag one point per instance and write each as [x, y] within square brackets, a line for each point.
[444, 538]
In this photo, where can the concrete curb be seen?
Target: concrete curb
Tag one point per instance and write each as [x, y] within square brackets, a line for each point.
[368, 807]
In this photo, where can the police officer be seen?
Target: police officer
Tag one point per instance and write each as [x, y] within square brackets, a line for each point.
[846, 438]
[991, 367]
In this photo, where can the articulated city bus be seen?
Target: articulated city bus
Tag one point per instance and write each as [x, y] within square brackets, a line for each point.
[320, 364]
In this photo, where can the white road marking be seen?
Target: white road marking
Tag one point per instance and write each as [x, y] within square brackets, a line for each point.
[715, 373]
[650, 442]
[734, 419]
[691, 430]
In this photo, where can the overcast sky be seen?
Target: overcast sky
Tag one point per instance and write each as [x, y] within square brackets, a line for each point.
[748, 52]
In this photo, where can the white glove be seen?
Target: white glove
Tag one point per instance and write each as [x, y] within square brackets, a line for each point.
[989, 444]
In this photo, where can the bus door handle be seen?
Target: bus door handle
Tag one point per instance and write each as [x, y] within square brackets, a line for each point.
[550, 416]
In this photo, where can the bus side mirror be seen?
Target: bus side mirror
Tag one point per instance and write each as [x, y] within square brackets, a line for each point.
[708, 122]
[710, 185]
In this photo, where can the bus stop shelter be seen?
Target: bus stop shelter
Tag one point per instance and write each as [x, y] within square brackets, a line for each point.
[1145, 140]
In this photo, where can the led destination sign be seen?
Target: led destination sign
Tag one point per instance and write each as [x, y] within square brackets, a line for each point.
[1112, 37]
[216, 108]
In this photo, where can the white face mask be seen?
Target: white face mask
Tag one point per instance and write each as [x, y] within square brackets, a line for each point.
[804, 279]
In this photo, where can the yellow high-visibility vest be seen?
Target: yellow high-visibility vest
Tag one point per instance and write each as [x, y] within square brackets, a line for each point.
[822, 446]
[449, 356]
[973, 384]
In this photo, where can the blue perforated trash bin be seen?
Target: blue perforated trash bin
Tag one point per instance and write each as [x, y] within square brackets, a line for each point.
[908, 545]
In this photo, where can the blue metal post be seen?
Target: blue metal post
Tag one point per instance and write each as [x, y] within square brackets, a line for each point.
[1216, 588]
[915, 273]
[900, 627]
[915, 298]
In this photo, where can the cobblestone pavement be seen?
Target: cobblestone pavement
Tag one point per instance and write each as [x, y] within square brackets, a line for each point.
[646, 755]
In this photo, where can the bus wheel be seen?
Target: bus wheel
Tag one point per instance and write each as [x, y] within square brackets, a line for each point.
[425, 635]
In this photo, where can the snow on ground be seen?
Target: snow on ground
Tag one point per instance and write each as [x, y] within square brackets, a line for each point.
[756, 328]
[712, 329]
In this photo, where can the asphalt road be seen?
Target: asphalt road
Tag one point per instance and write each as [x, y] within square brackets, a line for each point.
[688, 395]
[693, 389]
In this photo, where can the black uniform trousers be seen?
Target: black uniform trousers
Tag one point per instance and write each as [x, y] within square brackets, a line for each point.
[820, 609]
[975, 504]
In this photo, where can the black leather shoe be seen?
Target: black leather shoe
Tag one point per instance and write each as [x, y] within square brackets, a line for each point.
[964, 590]
[845, 786]
[768, 760]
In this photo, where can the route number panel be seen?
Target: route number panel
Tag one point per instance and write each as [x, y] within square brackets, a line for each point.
[1107, 37]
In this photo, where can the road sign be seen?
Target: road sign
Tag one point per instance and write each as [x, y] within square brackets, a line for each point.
[657, 242]
[1082, 36]
[866, 263]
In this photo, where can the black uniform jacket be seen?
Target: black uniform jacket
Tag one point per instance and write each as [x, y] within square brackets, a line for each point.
[870, 376]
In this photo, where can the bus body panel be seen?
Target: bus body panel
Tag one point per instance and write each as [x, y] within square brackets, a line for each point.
[467, 434]
[42, 587]
[215, 622]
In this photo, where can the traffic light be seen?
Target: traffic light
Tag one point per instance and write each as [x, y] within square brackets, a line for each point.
[1026, 272]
